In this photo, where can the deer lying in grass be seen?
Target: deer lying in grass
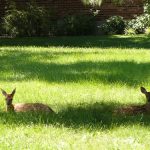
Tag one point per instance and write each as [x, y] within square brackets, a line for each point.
[137, 109]
[23, 107]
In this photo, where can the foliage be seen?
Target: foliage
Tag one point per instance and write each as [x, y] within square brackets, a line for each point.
[2, 31]
[37, 21]
[75, 25]
[32, 21]
[15, 23]
[99, 2]
[92, 2]
[147, 8]
[113, 25]
[139, 23]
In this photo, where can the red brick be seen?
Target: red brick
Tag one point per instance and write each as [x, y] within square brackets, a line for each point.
[127, 10]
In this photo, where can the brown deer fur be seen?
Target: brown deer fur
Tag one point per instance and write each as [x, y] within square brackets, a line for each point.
[136, 109]
[23, 107]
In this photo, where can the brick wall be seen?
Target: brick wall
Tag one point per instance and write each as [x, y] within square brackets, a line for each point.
[2, 7]
[128, 10]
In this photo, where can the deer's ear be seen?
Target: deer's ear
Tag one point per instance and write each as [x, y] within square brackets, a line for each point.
[13, 92]
[143, 90]
[4, 92]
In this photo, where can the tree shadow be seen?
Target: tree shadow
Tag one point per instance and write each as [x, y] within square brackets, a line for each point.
[20, 66]
[138, 42]
[95, 116]
[23, 65]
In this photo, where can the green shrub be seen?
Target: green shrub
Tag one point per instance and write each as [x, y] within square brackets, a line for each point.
[139, 23]
[113, 25]
[129, 31]
[32, 21]
[2, 31]
[15, 23]
[37, 21]
[76, 25]
[147, 8]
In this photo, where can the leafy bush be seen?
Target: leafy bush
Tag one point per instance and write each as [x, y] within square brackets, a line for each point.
[139, 23]
[147, 8]
[130, 31]
[37, 21]
[1, 29]
[15, 23]
[75, 25]
[32, 21]
[113, 25]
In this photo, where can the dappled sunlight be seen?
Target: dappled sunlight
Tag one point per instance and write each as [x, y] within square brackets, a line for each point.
[20, 66]
[84, 80]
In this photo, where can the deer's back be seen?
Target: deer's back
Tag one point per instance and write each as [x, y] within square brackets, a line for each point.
[132, 110]
[25, 107]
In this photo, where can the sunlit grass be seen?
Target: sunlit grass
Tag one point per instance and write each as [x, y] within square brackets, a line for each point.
[83, 79]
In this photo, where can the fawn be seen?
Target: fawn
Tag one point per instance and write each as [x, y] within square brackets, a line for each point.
[137, 109]
[23, 107]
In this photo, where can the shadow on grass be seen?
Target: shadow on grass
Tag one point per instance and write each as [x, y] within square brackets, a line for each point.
[95, 116]
[82, 41]
[20, 66]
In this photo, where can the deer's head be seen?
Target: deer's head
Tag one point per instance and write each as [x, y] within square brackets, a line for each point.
[8, 97]
[147, 94]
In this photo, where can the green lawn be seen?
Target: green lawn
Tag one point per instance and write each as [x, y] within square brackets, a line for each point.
[83, 79]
